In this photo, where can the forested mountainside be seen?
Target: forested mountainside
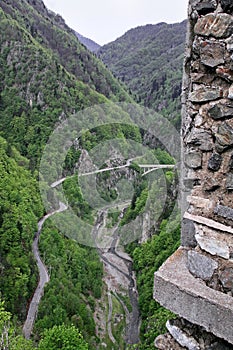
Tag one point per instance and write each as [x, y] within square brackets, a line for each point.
[50, 31]
[149, 60]
[46, 75]
[90, 44]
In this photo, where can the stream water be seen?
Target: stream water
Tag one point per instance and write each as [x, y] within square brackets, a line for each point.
[118, 273]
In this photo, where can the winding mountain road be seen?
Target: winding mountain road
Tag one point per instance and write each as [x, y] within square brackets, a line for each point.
[132, 335]
[43, 275]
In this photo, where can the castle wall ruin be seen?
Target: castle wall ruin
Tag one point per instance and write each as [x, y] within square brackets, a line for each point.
[196, 282]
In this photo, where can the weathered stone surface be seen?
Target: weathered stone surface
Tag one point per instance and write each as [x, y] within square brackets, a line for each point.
[207, 132]
[190, 183]
[200, 265]
[210, 245]
[224, 137]
[229, 182]
[205, 7]
[212, 53]
[198, 120]
[208, 222]
[231, 163]
[215, 162]
[206, 340]
[226, 278]
[229, 42]
[182, 338]
[166, 341]
[220, 110]
[202, 203]
[201, 138]
[218, 26]
[230, 93]
[204, 94]
[213, 242]
[210, 184]
[193, 159]
[188, 234]
[227, 5]
[219, 346]
[202, 78]
[176, 289]
[224, 211]
[225, 73]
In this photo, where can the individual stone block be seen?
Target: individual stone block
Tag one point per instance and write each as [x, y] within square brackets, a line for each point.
[201, 266]
[210, 245]
[229, 182]
[193, 160]
[190, 183]
[208, 222]
[181, 337]
[204, 94]
[202, 203]
[166, 341]
[230, 93]
[218, 26]
[210, 184]
[201, 138]
[225, 212]
[212, 53]
[205, 7]
[188, 234]
[227, 5]
[225, 73]
[177, 290]
[226, 278]
[221, 110]
[224, 137]
[219, 244]
[229, 42]
[215, 161]
[231, 163]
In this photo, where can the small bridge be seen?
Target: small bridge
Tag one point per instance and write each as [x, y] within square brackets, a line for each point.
[147, 168]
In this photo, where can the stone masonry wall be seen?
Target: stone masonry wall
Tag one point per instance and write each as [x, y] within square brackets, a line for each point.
[203, 292]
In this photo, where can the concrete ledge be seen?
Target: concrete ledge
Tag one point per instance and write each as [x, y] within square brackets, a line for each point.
[177, 290]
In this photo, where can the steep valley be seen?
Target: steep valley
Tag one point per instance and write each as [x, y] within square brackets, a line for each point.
[96, 296]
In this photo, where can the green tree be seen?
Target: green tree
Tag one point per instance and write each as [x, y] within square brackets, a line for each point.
[19, 343]
[4, 326]
[63, 337]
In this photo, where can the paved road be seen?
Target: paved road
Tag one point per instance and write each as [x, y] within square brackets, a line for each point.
[43, 276]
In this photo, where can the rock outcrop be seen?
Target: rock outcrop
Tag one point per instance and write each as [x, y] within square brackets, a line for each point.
[196, 283]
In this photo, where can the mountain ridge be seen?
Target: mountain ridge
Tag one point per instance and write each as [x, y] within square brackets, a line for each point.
[90, 44]
[149, 60]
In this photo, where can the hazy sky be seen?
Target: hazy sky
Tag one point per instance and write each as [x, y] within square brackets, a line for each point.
[105, 20]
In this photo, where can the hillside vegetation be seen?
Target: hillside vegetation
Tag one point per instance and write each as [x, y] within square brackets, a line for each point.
[47, 75]
[149, 60]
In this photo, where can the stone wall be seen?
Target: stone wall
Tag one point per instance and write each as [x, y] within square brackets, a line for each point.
[201, 292]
